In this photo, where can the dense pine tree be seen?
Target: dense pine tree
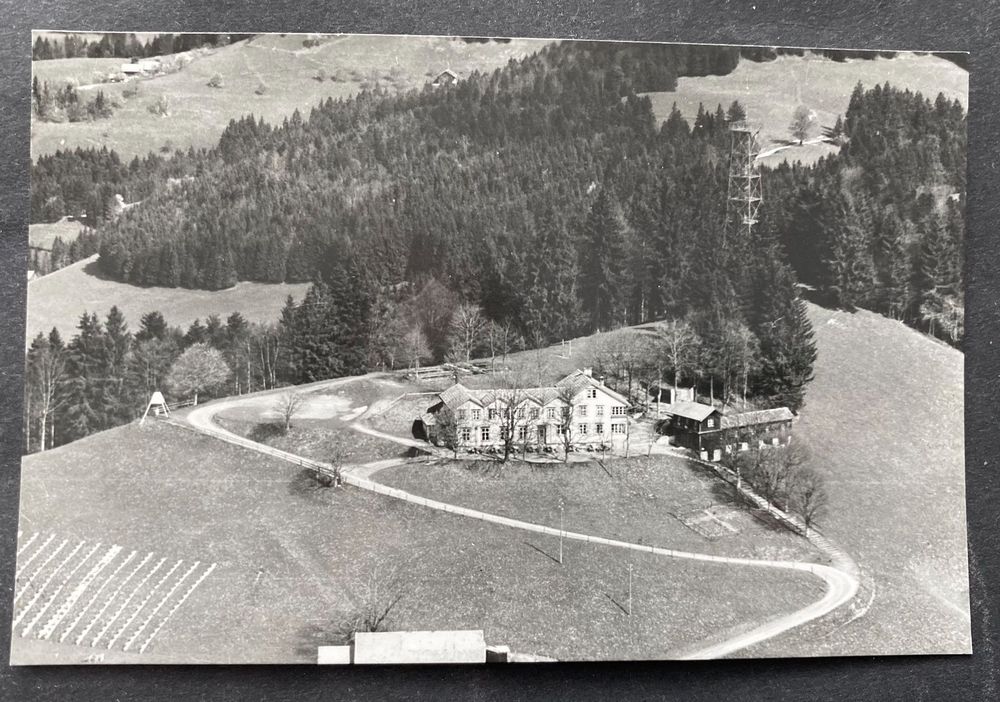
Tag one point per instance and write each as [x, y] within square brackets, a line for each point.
[606, 239]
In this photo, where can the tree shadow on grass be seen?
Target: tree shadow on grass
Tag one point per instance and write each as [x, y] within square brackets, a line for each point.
[264, 432]
[616, 603]
[725, 493]
[542, 551]
[306, 486]
[769, 521]
[331, 632]
[93, 269]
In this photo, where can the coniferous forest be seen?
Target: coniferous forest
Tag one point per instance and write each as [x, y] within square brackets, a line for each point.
[544, 193]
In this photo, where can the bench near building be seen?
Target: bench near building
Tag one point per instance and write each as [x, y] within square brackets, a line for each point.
[709, 432]
[592, 413]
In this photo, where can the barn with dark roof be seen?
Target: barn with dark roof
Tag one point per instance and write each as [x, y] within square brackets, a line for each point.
[708, 431]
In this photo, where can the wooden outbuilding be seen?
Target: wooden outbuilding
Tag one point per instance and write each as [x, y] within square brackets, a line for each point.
[706, 430]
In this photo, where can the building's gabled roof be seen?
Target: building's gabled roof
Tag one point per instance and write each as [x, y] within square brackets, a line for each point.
[690, 410]
[457, 395]
[447, 72]
[542, 396]
[580, 380]
[755, 417]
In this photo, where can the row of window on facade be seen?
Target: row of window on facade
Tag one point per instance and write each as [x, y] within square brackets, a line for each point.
[526, 433]
[535, 413]
[712, 423]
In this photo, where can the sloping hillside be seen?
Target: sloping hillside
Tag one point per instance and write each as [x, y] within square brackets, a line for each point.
[771, 91]
[58, 300]
[287, 564]
[269, 76]
[43, 234]
[884, 422]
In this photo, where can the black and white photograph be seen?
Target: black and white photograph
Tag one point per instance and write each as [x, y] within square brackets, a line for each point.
[351, 349]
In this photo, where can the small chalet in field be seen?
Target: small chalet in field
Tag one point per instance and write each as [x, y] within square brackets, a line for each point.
[592, 414]
[140, 67]
[705, 429]
[445, 78]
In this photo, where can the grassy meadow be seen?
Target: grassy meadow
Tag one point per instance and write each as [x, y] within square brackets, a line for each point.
[269, 76]
[293, 561]
[42, 235]
[58, 300]
[771, 91]
[884, 422]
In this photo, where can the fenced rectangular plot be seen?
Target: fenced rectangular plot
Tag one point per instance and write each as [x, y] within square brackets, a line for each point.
[714, 522]
[86, 593]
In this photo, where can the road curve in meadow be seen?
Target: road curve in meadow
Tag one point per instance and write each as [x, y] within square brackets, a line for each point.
[840, 579]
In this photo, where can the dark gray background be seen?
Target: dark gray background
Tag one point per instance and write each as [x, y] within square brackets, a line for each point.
[908, 24]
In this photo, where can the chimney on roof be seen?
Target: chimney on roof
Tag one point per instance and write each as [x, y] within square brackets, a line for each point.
[589, 372]
[601, 380]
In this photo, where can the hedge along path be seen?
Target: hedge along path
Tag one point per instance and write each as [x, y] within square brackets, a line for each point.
[840, 582]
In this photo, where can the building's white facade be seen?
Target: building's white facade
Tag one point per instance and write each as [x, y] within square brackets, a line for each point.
[598, 416]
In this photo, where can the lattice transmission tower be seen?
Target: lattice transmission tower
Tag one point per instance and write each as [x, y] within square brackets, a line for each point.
[744, 194]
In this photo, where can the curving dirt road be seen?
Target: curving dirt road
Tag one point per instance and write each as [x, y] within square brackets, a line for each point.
[840, 578]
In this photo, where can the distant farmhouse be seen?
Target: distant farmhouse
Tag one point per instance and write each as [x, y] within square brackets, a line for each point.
[445, 78]
[140, 67]
[579, 408]
[704, 429]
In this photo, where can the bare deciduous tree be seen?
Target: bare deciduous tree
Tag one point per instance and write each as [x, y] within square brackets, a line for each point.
[288, 405]
[503, 338]
[807, 496]
[468, 324]
[333, 476]
[539, 358]
[415, 347]
[678, 343]
[567, 395]
[747, 353]
[512, 417]
[45, 372]
[770, 471]
[377, 603]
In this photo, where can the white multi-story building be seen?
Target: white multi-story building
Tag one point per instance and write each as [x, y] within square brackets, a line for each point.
[580, 406]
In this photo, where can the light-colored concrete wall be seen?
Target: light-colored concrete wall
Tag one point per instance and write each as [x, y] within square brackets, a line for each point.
[333, 655]
[587, 410]
[468, 646]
